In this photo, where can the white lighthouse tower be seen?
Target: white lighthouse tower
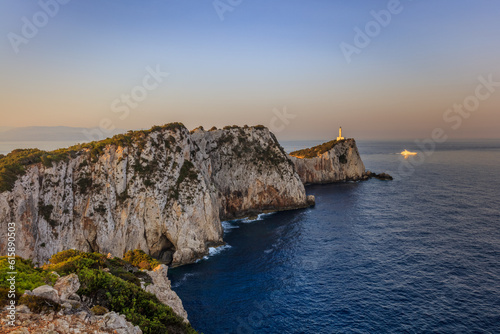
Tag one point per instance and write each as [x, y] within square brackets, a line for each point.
[340, 134]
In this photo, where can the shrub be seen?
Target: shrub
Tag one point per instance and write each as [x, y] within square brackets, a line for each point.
[64, 255]
[14, 165]
[315, 151]
[139, 307]
[46, 212]
[174, 126]
[225, 139]
[65, 264]
[84, 184]
[4, 296]
[28, 277]
[99, 310]
[38, 304]
[140, 259]
[187, 171]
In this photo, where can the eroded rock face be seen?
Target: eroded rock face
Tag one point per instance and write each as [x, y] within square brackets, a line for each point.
[161, 287]
[67, 286]
[164, 194]
[341, 163]
[250, 171]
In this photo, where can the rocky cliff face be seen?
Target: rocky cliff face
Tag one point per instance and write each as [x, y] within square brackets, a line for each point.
[163, 191]
[340, 161]
[250, 170]
[162, 288]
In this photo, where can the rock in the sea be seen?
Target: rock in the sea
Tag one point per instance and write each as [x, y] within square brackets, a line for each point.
[382, 176]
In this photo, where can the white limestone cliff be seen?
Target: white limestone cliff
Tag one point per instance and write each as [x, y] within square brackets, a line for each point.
[162, 288]
[164, 192]
[339, 163]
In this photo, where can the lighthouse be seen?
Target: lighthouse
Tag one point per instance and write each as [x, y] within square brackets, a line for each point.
[340, 134]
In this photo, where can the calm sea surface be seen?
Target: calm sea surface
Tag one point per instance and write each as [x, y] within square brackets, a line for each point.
[419, 254]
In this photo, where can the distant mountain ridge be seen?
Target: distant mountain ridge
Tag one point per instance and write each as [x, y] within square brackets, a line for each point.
[49, 133]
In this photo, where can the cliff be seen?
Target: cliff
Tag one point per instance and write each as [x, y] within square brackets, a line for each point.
[164, 191]
[250, 170]
[333, 161]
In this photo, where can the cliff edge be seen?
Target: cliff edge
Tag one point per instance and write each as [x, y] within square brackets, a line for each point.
[164, 191]
[333, 161]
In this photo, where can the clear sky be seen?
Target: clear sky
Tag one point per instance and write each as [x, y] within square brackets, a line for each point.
[236, 62]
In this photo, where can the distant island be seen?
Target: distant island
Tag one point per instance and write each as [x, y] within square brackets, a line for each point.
[51, 133]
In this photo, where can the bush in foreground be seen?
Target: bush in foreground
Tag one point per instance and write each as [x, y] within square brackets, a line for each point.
[105, 290]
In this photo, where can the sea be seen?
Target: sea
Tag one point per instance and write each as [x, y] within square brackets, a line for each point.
[419, 254]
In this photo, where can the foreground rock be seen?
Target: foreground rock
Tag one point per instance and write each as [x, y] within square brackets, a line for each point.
[60, 323]
[334, 161]
[163, 191]
[162, 288]
[69, 314]
[60, 309]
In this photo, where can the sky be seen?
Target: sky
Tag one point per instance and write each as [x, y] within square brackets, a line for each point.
[380, 69]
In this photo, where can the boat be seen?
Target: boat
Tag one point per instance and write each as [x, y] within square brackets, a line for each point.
[407, 153]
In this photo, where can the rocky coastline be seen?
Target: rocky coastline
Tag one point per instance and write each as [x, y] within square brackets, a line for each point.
[163, 191]
[333, 161]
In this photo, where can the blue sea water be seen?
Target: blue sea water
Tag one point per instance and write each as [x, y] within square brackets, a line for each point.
[420, 254]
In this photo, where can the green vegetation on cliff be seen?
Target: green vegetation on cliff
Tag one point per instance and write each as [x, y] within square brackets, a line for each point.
[15, 163]
[315, 151]
[140, 259]
[112, 284]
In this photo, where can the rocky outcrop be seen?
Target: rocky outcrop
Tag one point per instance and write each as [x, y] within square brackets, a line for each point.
[340, 162]
[249, 169]
[382, 176]
[73, 316]
[164, 191]
[162, 288]
[62, 323]
[67, 287]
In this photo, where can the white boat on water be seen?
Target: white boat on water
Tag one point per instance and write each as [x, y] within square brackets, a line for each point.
[407, 153]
